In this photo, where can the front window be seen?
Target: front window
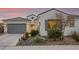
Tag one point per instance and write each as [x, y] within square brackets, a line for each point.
[52, 24]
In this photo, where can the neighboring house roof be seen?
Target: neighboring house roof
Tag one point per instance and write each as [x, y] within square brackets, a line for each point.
[15, 19]
[53, 9]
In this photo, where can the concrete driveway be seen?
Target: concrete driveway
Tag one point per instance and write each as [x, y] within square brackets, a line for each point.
[9, 40]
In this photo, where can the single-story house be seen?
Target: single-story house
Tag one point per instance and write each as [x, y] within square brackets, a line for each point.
[43, 21]
[50, 18]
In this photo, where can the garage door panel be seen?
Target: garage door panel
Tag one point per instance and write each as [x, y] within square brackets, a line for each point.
[16, 28]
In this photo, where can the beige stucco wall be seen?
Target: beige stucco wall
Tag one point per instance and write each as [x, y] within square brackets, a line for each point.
[70, 30]
[28, 25]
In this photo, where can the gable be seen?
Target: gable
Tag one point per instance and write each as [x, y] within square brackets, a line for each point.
[32, 17]
[52, 14]
[51, 10]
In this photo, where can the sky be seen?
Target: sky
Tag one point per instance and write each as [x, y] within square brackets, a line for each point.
[6, 13]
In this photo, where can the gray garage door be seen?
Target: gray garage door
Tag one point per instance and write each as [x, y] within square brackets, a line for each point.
[16, 28]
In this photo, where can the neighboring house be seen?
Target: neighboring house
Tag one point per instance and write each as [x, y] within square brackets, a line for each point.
[44, 21]
[15, 25]
[20, 25]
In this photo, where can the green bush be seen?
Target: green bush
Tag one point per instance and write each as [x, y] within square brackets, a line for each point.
[38, 40]
[50, 33]
[34, 33]
[55, 34]
[25, 36]
[75, 36]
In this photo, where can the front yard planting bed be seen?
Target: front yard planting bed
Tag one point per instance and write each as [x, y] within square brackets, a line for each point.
[65, 41]
[55, 37]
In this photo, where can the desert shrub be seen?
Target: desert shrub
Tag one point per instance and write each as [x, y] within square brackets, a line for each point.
[50, 33]
[25, 36]
[34, 33]
[58, 33]
[54, 34]
[75, 36]
[38, 40]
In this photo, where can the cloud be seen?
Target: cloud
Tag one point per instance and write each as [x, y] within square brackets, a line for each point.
[13, 12]
[11, 15]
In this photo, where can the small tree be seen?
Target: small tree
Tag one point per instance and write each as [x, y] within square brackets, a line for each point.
[1, 28]
[64, 22]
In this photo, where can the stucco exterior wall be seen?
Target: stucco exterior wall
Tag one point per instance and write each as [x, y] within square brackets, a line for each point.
[70, 30]
[76, 25]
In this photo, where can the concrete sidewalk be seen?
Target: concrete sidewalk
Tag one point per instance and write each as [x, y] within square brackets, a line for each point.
[52, 47]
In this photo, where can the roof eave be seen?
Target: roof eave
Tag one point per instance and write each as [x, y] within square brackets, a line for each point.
[53, 9]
